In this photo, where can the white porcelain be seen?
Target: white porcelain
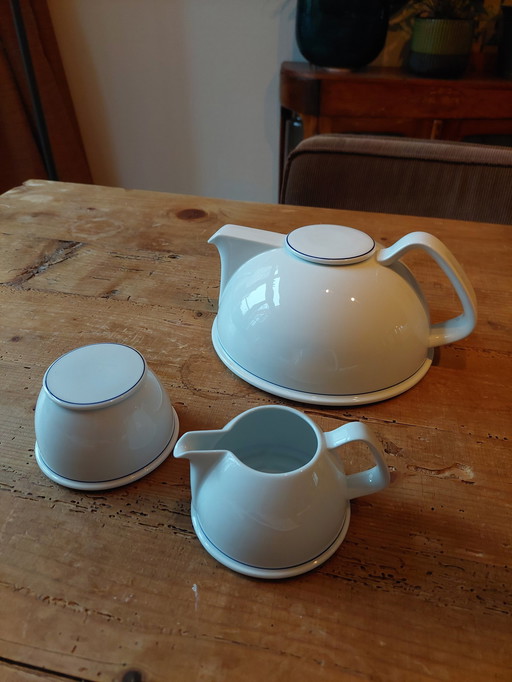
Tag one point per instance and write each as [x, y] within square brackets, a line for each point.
[102, 418]
[327, 315]
[269, 494]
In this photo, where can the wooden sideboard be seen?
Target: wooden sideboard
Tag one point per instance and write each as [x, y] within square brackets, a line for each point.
[390, 101]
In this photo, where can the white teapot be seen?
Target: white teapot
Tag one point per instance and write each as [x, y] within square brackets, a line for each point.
[326, 315]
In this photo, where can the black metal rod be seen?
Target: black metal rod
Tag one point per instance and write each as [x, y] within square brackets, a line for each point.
[41, 129]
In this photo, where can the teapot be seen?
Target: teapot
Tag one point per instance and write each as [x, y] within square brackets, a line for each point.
[270, 497]
[327, 315]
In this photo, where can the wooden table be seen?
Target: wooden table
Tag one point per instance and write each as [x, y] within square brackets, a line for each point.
[391, 101]
[115, 585]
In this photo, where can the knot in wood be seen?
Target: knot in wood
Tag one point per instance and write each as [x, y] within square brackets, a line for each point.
[191, 214]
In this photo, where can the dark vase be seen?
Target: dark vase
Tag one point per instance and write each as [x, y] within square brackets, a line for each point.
[341, 33]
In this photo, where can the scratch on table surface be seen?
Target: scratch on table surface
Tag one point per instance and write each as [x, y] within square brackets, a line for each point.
[196, 596]
[461, 471]
[62, 252]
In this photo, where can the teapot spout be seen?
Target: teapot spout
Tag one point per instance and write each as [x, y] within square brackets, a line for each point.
[237, 244]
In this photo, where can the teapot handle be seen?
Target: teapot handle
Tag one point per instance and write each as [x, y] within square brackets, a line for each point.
[364, 482]
[457, 327]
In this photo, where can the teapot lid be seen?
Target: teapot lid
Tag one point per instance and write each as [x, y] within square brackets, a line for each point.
[330, 244]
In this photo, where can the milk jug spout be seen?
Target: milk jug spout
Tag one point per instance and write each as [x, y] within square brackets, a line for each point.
[199, 447]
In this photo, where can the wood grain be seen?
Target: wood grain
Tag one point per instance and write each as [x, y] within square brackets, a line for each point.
[115, 585]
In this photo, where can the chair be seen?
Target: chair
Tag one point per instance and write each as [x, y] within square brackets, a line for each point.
[408, 176]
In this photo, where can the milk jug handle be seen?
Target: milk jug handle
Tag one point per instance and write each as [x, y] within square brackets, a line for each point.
[457, 327]
[364, 482]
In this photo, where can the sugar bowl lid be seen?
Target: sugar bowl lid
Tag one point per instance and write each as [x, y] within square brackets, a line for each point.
[94, 375]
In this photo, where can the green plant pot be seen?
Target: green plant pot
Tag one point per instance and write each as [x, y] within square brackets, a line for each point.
[440, 48]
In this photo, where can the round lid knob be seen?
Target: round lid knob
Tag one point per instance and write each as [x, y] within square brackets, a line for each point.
[330, 244]
[94, 375]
